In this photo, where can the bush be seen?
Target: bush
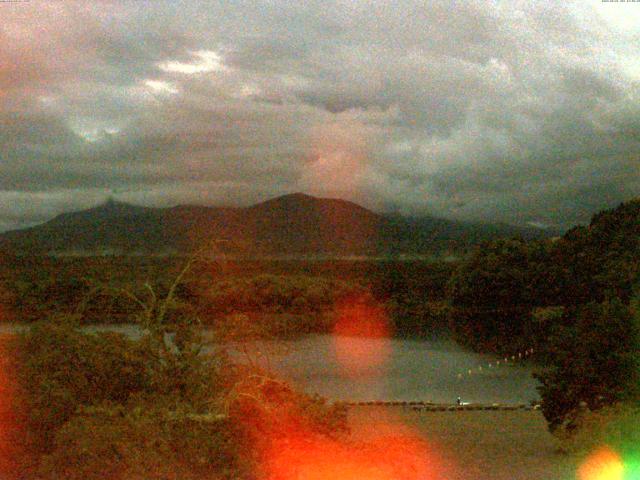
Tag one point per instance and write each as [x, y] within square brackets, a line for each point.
[62, 368]
[143, 441]
[269, 410]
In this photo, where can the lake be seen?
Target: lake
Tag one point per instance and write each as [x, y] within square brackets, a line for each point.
[369, 369]
[411, 370]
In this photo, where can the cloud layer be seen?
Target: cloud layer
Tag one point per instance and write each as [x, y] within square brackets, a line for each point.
[513, 111]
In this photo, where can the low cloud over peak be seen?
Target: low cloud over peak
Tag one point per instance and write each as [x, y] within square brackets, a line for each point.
[520, 112]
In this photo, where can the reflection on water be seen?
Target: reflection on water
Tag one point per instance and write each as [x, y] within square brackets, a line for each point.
[414, 369]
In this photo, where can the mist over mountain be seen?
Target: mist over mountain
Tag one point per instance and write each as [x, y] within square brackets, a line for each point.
[294, 224]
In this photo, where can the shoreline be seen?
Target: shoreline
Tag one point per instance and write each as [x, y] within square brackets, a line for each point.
[422, 406]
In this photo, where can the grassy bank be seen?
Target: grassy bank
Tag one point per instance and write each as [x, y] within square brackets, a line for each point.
[475, 445]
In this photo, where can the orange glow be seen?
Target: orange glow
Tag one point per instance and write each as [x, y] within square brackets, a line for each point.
[359, 321]
[8, 425]
[604, 464]
[383, 458]
[382, 449]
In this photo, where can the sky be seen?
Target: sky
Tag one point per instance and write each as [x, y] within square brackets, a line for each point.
[483, 110]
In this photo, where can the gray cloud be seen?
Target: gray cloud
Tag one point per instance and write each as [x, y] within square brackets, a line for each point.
[513, 111]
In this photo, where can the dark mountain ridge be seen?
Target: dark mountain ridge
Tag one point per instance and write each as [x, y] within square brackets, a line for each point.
[295, 224]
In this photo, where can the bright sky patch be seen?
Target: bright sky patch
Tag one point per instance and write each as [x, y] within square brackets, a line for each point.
[204, 61]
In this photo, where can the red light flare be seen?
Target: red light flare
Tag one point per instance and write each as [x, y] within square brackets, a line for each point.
[8, 423]
[9, 426]
[303, 457]
[603, 464]
[382, 449]
[361, 335]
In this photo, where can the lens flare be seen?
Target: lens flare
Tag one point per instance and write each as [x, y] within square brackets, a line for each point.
[8, 425]
[603, 464]
[361, 336]
[383, 458]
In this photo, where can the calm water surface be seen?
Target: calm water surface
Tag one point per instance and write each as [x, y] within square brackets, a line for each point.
[388, 369]
[410, 370]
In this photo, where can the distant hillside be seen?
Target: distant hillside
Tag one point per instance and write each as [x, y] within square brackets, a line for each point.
[295, 224]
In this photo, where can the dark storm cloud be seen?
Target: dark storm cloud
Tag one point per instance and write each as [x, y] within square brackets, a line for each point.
[514, 111]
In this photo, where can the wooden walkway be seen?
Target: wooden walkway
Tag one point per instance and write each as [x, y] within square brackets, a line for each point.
[420, 406]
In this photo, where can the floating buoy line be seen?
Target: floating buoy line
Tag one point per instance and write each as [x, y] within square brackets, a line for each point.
[439, 407]
[491, 365]
[421, 406]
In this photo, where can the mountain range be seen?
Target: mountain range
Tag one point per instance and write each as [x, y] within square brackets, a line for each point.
[294, 224]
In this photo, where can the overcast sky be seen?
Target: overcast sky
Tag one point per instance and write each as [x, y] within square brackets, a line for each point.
[512, 111]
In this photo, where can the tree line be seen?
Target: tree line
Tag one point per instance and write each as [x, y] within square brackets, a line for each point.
[574, 299]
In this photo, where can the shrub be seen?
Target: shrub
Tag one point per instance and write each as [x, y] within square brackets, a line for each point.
[142, 441]
[62, 368]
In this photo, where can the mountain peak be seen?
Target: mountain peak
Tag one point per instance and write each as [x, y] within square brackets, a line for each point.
[295, 223]
[289, 199]
[296, 196]
[111, 206]
[111, 202]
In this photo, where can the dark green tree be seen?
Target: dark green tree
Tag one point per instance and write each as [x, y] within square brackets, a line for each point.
[599, 261]
[493, 292]
[593, 361]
